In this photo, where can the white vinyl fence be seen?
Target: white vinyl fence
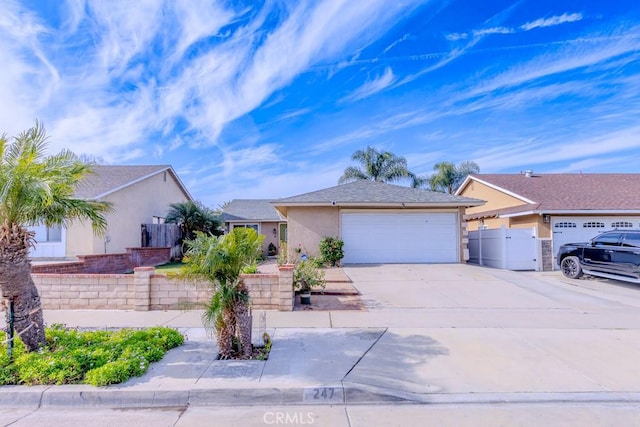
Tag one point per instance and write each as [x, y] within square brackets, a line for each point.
[506, 248]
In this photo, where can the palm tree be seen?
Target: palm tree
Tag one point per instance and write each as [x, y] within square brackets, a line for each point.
[449, 176]
[376, 166]
[444, 178]
[35, 189]
[193, 216]
[219, 261]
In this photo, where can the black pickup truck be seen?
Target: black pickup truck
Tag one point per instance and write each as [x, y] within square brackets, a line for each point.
[614, 254]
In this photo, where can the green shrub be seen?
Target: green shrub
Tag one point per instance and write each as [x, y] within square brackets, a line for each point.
[93, 357]
[331, 250]
[250, 269]
[307, 276]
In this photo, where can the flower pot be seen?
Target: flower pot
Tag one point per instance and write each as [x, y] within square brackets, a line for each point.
[305, 297]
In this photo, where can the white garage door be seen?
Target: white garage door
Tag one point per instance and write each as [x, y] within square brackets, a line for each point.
[400, 237]
[582, 229]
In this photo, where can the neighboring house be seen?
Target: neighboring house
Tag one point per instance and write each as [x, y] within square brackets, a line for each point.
[138, 194]
[379, 223]
[258, 214]
[560, 208]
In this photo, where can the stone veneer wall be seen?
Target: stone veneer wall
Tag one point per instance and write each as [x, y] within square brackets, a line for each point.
[145, 290]
[546, 246]
[108, 263]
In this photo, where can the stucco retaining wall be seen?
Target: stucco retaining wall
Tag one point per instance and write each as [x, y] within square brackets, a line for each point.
[144, 290]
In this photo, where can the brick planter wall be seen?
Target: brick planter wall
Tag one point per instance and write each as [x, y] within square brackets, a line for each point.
[145, 290]
[108, 263]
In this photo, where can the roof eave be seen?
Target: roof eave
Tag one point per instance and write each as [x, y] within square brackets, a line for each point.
[493, 186]
[382, 204]
[572, 212]
[142, 178]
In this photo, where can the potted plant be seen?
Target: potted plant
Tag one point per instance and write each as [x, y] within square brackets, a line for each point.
[307, 276]
[271, 250]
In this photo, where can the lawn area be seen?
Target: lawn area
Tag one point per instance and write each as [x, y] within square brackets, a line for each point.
[170, 267]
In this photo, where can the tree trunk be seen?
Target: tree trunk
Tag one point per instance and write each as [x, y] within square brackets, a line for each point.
[243, 327]
[226, 334]
[16, 284]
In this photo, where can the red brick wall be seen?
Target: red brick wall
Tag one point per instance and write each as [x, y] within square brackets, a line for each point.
[108, 263]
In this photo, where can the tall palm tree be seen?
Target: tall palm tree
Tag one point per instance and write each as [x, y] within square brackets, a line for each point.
[444, 178]
[448, 176]
[377, 165]
[219, 261]
[35, 189]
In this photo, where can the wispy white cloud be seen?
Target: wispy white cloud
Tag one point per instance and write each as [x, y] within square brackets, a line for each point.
[572, 56]
[395, 43]
[371, 87]
[552, 21]
[569, 149]
[492, 30]
[142, 69]
[538, 23]
[456, 36]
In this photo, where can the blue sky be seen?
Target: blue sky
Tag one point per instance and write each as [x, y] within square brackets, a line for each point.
[251, 99]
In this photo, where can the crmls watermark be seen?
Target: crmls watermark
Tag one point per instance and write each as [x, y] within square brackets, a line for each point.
[288, 418]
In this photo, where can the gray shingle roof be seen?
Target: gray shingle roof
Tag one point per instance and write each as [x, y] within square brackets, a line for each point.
[370, 192]
[109, 178]
[553, 192]
[250, 210]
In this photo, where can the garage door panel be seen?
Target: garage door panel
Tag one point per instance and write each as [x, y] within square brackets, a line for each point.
[581, 229]
[400, 238]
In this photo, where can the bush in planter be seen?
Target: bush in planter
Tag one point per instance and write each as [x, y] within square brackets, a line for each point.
[331, 250]
[307, 276]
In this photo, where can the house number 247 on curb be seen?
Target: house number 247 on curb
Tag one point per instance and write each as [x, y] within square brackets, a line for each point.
[323, 394]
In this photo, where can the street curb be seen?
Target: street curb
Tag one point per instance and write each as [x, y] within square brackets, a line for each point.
[348, 394]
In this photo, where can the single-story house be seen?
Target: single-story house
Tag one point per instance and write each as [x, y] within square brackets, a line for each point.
[380, 223]
[138, 194]
[561, 208]
[258, 214]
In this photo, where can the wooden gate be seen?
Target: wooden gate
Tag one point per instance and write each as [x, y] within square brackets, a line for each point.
[162, 236]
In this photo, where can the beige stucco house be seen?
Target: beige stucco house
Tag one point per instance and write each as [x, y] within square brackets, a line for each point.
[260, 215]
[379, 223]
[138, 195]
[560, 208]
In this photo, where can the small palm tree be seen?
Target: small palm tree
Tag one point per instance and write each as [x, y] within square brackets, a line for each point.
[191, 217]
[35, 189]
[376, 166]
[219, 261]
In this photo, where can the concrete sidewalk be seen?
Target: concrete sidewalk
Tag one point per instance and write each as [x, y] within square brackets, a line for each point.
[361, 365]
[442, 335]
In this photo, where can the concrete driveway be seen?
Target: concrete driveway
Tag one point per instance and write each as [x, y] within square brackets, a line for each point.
[472, 331]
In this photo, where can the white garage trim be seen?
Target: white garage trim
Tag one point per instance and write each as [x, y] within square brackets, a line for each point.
[566, 229]
[397, 236]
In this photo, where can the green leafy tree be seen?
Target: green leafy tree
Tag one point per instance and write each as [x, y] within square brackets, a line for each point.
[448, 176]
[193, 216]
[376, 165]
[219, 261]
[35, 189]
